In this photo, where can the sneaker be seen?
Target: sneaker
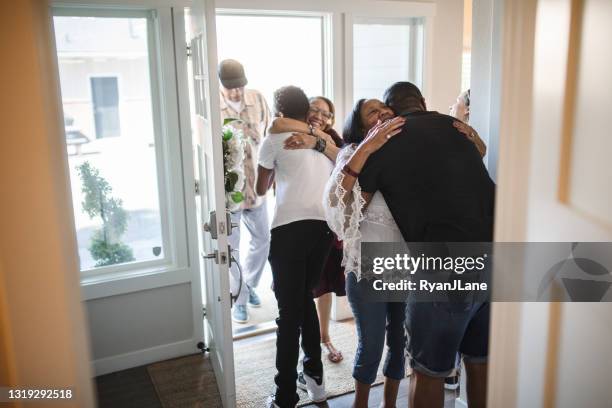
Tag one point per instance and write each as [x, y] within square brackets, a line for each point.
[270, 403]
[254, 300]
[240, 314]
[452, 382]
[314, 387]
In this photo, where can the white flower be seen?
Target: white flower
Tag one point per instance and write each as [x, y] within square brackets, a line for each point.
[233, 157]
[241, 178]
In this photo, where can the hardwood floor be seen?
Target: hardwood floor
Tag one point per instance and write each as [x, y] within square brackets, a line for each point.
[130, 388]
[376, 395]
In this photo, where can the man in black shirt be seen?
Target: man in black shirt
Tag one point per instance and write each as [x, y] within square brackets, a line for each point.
[438, 190]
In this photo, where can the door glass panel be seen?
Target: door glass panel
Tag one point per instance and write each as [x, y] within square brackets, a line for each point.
[105, 82]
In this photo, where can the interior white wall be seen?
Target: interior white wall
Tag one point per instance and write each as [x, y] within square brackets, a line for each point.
[140, 321]
[445, 81]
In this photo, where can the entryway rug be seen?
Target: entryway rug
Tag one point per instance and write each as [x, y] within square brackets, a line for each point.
[255, 368]
[185, 382]
[189, 381]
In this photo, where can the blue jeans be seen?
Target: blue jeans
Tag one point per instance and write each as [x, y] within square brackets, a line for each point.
[373, 321]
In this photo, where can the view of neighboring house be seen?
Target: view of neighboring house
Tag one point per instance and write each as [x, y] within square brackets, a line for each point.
[105, 81]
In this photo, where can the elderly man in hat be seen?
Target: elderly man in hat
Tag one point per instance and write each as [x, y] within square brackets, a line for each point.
[251, 108]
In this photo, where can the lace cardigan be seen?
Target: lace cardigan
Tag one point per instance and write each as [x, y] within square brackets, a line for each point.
[351, 222]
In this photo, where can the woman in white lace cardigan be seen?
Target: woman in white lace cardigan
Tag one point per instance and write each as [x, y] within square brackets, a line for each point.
[368, 127]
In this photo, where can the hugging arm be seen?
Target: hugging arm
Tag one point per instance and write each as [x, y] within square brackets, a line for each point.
[377, 137]
[472, 136]
[302, 139]
[344, 201]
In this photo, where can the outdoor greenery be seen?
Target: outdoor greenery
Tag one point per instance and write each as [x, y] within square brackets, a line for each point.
[106, 246]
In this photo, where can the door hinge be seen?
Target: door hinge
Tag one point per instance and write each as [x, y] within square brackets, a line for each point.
[203, 311]
[188, 50]
[197, 186]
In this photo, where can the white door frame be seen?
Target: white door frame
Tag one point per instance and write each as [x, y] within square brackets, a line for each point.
[515, 138]
[527, 338]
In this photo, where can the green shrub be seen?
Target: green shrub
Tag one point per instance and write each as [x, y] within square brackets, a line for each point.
[105, 247]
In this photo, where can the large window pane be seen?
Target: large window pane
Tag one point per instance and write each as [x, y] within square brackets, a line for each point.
[106, 94]
[384, 52]
[275, 50]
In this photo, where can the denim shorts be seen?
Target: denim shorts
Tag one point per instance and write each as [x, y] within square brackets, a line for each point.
[439, 330]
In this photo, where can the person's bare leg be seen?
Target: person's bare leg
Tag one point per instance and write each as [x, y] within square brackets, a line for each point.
[476, 384]
[362, 394]
[324, 304]
[390, 392]
[324, 310]
[426, 391]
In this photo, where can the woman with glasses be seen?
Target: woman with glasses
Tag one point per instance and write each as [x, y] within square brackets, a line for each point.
[320, 121]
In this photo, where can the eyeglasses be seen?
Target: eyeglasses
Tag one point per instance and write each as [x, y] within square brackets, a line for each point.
[326, 114]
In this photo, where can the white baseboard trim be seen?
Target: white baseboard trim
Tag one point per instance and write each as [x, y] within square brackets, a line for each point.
[145, 356]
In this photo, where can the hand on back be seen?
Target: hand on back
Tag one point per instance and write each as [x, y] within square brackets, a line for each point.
[381, 133]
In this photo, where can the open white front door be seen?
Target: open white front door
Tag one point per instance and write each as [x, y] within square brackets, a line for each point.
[213, 221]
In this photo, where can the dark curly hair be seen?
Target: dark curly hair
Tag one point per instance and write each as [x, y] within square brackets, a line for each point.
[291, 102]
[353, 131]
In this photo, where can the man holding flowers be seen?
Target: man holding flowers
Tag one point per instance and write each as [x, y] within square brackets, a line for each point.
[250, 109]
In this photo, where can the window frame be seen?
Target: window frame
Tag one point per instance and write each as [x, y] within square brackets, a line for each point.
[168, 157]
[417, 45]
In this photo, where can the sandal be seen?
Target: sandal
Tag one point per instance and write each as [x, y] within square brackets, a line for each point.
[333, 355]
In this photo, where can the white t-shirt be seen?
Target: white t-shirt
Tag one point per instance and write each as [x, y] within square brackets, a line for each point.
[300, 175]
[236, 106]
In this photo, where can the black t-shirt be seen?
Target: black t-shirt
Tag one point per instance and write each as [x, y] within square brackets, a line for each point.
[434, 182]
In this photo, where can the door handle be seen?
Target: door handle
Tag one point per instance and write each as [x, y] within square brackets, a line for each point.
[221, 258]
[214, 255]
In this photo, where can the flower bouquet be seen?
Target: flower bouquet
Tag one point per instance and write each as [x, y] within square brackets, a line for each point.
[233, 170]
